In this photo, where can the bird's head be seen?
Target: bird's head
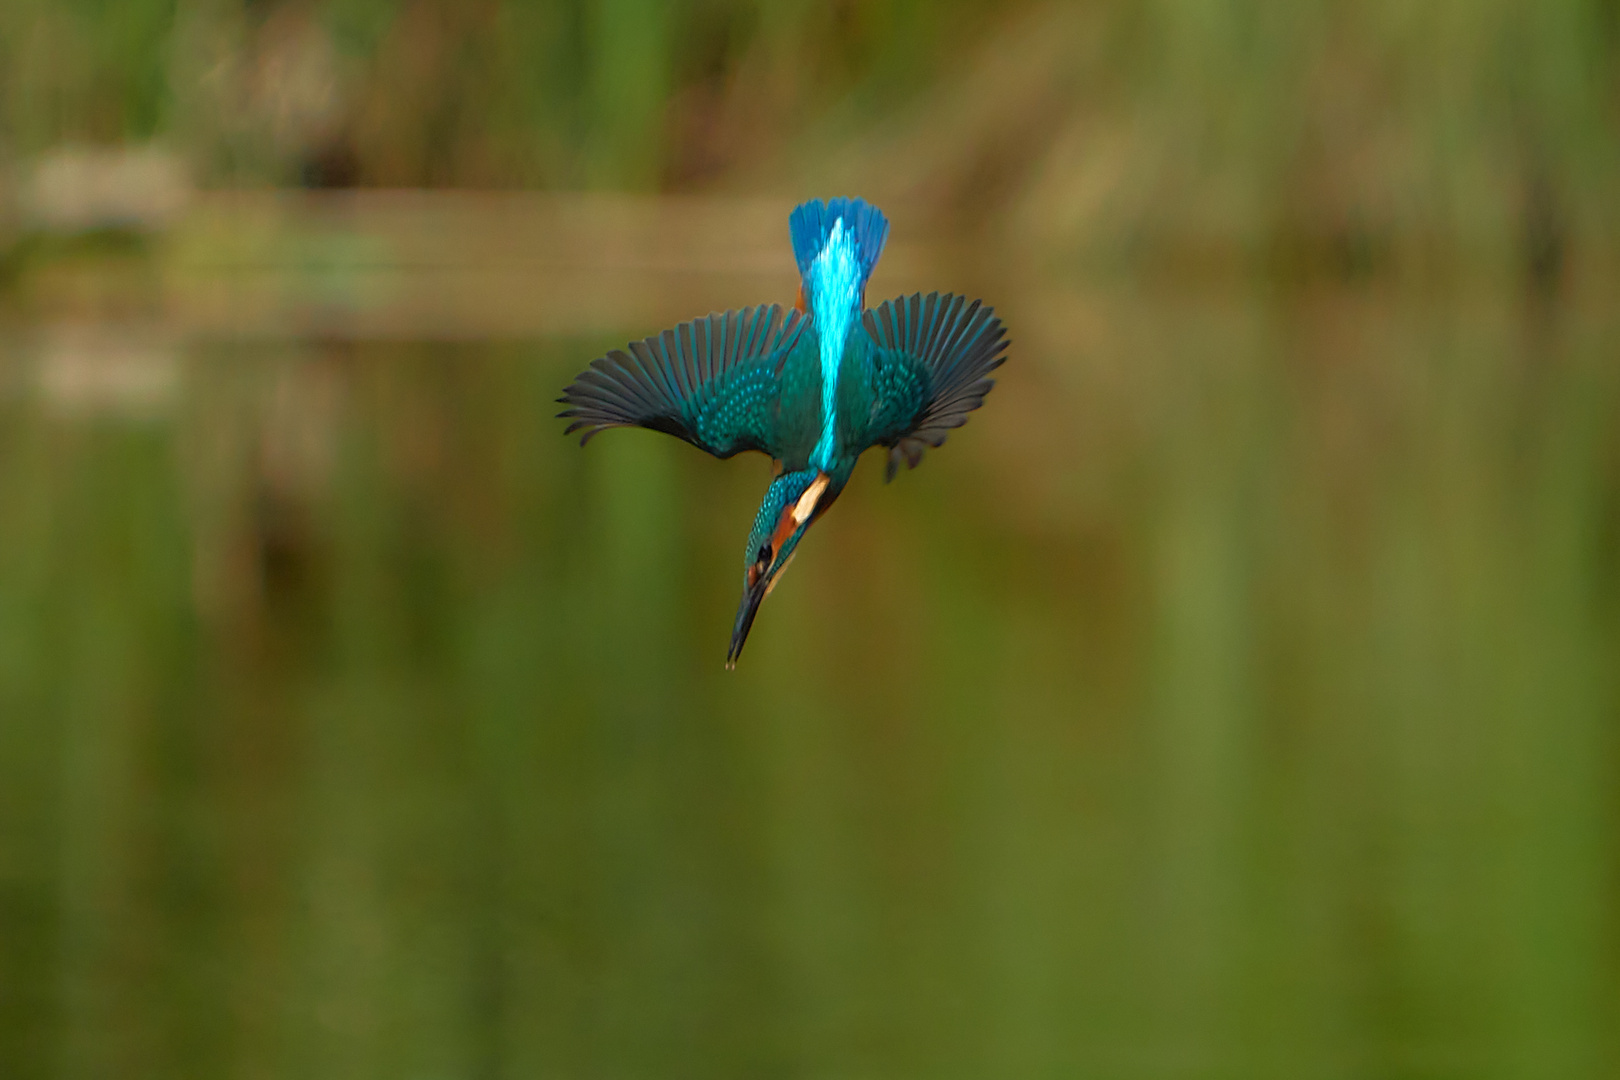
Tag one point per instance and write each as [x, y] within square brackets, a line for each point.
[792, 504]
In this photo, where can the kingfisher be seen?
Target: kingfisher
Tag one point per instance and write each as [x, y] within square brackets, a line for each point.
[813, 386]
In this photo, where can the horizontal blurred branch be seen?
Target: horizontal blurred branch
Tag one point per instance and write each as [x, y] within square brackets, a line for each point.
[424, 264]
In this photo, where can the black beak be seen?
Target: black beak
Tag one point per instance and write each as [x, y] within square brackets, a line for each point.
[746, 611]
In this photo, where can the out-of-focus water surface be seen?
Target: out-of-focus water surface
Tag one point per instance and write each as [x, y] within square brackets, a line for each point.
[1234, 696]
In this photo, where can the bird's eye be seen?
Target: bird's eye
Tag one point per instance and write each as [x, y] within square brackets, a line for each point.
[765, 554]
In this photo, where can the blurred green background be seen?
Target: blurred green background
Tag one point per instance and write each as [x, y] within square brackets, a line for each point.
[1234, 697]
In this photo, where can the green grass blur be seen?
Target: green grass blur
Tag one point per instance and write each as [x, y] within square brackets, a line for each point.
[1235, 696]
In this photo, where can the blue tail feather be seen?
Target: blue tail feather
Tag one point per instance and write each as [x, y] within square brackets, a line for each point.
[812, 222]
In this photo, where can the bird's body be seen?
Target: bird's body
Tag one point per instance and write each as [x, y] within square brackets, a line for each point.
[813, 386]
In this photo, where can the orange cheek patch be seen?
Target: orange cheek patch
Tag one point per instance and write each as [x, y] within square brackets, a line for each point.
[784, 529]
[797, 514]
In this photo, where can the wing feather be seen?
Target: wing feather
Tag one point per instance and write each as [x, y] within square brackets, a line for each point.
[706, 381]
[942, 350]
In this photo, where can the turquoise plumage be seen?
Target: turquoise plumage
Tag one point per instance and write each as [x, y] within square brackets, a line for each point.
[812, 386]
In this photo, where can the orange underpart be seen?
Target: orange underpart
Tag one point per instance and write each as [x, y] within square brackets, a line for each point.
[801, 303]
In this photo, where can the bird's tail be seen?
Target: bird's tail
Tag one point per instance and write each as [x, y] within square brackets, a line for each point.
[812, 223]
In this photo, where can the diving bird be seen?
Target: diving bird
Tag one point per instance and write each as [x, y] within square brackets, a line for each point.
[813, 386]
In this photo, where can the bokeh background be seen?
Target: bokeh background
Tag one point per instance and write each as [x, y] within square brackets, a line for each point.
[1235, 696]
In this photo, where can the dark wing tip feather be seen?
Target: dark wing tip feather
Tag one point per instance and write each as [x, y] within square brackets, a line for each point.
[909, 450]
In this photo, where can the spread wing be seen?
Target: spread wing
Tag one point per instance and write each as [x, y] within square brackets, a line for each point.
[711, 381]
[931, 368]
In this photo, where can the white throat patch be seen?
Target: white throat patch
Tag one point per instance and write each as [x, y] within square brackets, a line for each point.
[807, 502]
